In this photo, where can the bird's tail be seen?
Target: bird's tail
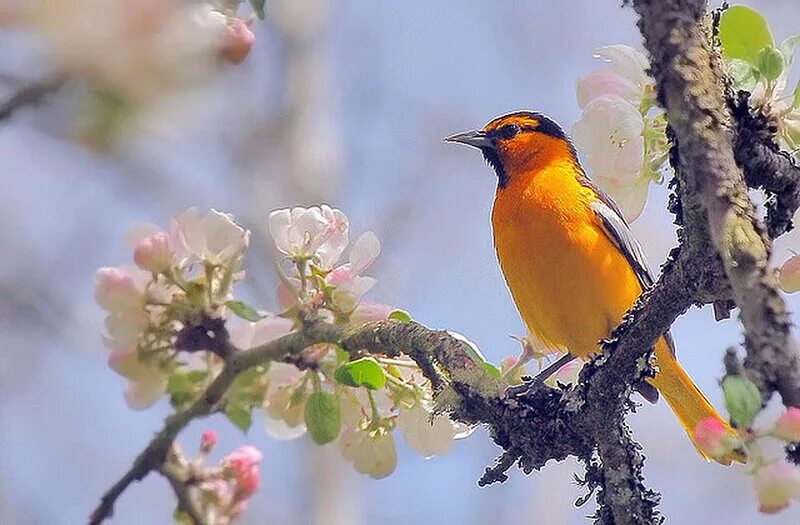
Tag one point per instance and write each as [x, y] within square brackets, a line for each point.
[685, 399]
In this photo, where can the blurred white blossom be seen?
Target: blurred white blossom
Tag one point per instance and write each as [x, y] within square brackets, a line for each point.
[428, 434]
[371, 452]
[319, 233]
[621, 132]
[214, 238]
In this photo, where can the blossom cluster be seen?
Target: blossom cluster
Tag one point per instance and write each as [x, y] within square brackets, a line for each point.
[132, 54]
[621, 130]
[755, 63]
[776, 482]
[171, 303]
[221, 492]
[172, 319]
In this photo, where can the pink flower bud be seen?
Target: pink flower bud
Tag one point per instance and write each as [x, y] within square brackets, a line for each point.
[711, 437]
[606, 81]
[243, 464]
[154, 253]
[789, 275]
[237, 41]
[116, 291]
[776, 485]
[508, 362]
[207, 441]
[787, 426]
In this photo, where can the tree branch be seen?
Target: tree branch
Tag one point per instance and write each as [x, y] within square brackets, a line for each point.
[690, 88]
[237, 362]
[765, 166]
[30, 95]
[186, 500]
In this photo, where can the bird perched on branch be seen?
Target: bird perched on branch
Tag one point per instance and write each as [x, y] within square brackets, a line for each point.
[569, 258]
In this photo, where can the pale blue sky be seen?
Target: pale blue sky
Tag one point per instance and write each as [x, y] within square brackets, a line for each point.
[404, 75]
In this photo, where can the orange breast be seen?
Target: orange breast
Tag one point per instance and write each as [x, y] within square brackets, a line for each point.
[570, 284]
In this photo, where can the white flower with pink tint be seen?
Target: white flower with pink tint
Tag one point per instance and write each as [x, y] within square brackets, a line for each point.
[118, 291]
[283, 403]
[213, 238]
[627, 62]
[609, 133]
[629, 196]
[349, 285]
[428, 434]
[147, 380]
[246, 335]
[606, 81]
[154, 253]
[625, 76]
[141, 48]
[368, 311]
[319, 233]
[124, 330]
[777, 484]
[787, 426]
[371, 452]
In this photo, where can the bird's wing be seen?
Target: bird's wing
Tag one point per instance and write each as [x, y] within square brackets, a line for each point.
[619, 233]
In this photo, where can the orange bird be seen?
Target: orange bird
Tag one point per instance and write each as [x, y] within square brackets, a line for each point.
[569, 258]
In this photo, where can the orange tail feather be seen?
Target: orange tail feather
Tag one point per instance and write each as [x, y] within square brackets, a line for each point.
[685, 399]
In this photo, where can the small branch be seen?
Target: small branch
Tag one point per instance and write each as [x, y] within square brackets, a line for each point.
[238, 361]
[623, 495]
[690, 88]
[186, 500]
[765, 166]
[30, 95]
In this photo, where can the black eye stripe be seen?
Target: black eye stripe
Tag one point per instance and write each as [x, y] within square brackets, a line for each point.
[541, 128]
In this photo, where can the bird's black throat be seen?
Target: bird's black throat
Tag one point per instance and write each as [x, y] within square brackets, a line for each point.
[493, 159]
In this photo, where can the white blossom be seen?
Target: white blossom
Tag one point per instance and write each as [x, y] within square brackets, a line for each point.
[214, 238]
[427, 434]
[147, 380]
[319, 232]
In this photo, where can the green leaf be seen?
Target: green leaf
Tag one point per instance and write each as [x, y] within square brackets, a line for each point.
[744, 75]
[493, 371]
[361, 372]
[240, 416]
[400, 315]
[195, 376]
[179, 388]
[796, 98]
[258, 7]
[770, 63]
[742, 399]
[244, 310]
[322, 417]
[743, 33]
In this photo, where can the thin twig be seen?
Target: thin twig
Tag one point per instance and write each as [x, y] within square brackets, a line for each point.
[187, 501]
[30, 95]
[238, 361]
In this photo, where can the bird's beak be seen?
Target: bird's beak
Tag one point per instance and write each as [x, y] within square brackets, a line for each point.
[477, 139]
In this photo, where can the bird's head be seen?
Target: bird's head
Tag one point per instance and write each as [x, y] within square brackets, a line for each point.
[518, 142]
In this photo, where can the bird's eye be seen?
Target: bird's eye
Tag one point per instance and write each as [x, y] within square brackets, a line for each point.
[509, 131]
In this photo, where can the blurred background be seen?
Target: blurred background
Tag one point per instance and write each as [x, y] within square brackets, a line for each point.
[344, 102]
